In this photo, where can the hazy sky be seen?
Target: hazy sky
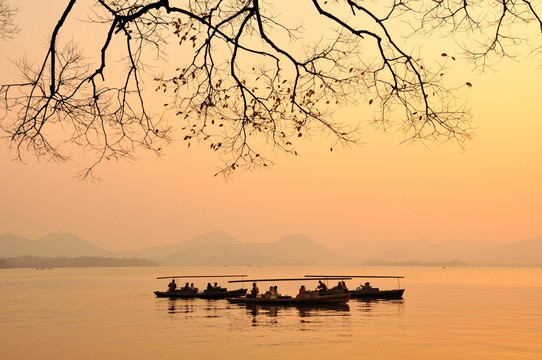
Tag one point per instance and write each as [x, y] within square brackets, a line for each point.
[382, 190]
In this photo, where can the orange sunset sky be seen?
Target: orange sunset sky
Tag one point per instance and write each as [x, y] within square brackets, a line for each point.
[491, 191]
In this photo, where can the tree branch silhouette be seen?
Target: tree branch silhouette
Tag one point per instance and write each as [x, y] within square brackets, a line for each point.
[244, 82]
[8, 27]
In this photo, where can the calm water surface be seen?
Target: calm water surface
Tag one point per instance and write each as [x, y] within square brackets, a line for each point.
[108, 313]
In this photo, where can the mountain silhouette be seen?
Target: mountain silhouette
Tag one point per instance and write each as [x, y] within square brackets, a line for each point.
[52, 245]
[291, 250]
[210, 239]
[520, 253]
[219, 248]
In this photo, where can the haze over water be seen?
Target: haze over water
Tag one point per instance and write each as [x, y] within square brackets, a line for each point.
[111, 313]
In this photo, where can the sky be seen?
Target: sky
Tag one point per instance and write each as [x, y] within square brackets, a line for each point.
[382, 190]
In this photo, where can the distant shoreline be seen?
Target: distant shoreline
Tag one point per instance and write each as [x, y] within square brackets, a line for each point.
[414, 263]
[40, 262]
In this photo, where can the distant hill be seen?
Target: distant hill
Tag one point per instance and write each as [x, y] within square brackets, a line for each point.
[521, 253]
[209, 239]
[53, 245]
[40, 262]
[214, 248]
[527, 252]
[291, 250]
[219, 248]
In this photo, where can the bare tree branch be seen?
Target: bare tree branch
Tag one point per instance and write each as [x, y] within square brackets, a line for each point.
[8, 27]
[243, 81]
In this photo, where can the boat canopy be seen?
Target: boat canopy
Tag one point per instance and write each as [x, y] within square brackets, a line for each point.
[348, 277]
[286, 279]
[199, 276]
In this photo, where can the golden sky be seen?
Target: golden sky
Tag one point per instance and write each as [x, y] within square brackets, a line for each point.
[382, 190]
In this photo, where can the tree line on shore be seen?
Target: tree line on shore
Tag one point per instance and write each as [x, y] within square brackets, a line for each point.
[64, 262]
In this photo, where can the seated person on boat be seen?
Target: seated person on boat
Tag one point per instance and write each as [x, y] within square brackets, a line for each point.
[302, 292]
[193, 290]
[321, 286]
[341, 287]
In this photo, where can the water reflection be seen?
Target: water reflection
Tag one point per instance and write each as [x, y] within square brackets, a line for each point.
[184, 307]
[201, 312]
[207, 308]
[378, 307]
[270, 315]
[303, 310]
[367, 305]
[212, 308]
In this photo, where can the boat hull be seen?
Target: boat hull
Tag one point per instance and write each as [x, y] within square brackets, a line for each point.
[308, 300]
[377, 294]
[178, 294]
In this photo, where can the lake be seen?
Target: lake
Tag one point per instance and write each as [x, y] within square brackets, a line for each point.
[112, 313]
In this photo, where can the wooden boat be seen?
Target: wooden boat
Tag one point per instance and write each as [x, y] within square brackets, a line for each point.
[376, 293]
[210, 293]
[221, 293]
[365, 291]
[311, 298]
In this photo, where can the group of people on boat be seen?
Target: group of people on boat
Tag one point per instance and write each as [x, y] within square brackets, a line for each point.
[213, 287]
[272, 293]
[321, 292]
[303, 292]
[190, 288]
[322, 288]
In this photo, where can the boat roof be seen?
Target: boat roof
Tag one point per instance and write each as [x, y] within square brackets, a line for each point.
[197, 276]
[348, 277]
[285, 279]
